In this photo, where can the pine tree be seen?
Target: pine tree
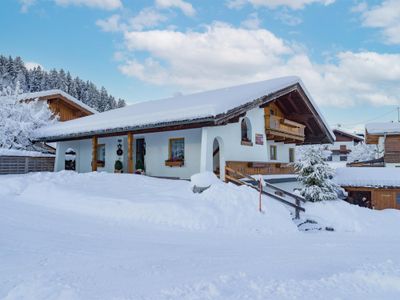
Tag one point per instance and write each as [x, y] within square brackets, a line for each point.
[14, 70]
[315, 175]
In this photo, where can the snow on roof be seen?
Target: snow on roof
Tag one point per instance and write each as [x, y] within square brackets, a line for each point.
[47, 93]
[15, 152]
[368, 176]
[175, 109]
[382, 128]
[345, 132]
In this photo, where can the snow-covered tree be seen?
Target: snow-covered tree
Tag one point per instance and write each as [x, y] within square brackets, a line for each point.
[362, 152]
[19, 120]
[315, 175]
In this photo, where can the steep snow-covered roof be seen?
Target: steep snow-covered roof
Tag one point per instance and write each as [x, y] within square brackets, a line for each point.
[383, 127]
[368, 176]
[35, 95]
[176, 109]
[345, 132]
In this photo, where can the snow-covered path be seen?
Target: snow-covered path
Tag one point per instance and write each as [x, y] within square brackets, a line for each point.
[53, 252]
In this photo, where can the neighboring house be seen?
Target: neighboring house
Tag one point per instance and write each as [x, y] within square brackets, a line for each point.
[343, 145]
[373, 187]
[41, 156]
[387, 137]
[60, 103]
[253, 127]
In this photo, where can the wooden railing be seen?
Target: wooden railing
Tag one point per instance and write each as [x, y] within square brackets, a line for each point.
[261, 167]
[284, 125]
[269, 190]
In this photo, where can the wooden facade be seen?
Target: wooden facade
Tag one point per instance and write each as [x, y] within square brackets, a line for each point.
[279, 128]
[65, 108]
[392, 149]
[378, 198]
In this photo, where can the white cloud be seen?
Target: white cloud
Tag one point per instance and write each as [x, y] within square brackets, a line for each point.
[146, 18]
[185, 7]
[111, 24]
[26, 4]
[252, 22]
[288, 18]
[30, 65]
[103, 4]
[386, 17]
[293, 4]
[223, 55]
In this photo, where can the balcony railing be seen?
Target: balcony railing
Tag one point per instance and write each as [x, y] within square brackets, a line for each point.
[282, 125]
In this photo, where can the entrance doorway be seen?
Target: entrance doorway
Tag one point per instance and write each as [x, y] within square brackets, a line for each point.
[70, 160]
[140, 153]
[360, 198]
[216, 157]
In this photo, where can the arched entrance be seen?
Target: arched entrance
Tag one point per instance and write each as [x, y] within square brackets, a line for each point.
[70, 159]
[217, 157]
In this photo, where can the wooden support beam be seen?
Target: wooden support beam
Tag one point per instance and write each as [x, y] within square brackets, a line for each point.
[130, 153]
[94, 154]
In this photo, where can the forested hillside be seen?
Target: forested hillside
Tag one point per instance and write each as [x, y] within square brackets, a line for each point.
[13, 70]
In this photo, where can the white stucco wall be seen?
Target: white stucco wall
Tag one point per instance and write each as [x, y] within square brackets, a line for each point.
[157, 151]
[231, 148]
[198, 149]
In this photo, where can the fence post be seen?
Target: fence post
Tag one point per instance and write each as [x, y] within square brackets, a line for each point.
[26, 164]
[297, 210]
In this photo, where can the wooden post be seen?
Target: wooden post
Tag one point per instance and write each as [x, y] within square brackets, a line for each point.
[130, 153]
[94, 154]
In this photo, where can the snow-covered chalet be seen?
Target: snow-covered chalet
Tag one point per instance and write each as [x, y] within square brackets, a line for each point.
[253, 128]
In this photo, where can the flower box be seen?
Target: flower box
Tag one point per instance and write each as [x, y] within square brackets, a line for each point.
[174, 163]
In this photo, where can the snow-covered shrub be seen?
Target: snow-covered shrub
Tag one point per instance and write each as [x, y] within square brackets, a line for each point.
[315, 175]
[19, 120]
[363, 152]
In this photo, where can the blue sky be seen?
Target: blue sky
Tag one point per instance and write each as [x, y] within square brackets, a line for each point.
[346, 51]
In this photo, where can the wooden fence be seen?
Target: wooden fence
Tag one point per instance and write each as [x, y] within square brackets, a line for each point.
[26, 164]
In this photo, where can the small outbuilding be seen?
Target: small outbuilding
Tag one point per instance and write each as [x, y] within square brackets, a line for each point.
[373, 187]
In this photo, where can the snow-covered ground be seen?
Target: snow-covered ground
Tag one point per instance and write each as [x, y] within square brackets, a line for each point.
[106, 236]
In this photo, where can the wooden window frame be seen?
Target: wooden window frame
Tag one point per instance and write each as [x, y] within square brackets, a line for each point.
[101, 163]
[275, 152]
[175, 162]
[248, 140]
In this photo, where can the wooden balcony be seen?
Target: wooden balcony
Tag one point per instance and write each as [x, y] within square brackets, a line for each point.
[280, 129]
[261, 168]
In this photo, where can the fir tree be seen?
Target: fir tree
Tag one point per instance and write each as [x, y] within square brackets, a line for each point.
[315, 175]
[37, 79]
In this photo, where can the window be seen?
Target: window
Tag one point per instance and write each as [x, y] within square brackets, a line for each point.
[246, 132]
[177, 149]
[272, 152]
[343, 158]
[101, 155]
[291, 155]
[329, 158]
[398, 198]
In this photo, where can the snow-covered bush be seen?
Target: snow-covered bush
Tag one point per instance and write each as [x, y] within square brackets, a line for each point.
[315, 175]
[362, 152]
[19, 120]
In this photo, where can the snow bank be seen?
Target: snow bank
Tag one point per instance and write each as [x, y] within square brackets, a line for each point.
[373, 176]
[345, 217]
[204, 179]
[141, 199]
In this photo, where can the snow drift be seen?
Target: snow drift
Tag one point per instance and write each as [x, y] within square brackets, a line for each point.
[141, 199]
